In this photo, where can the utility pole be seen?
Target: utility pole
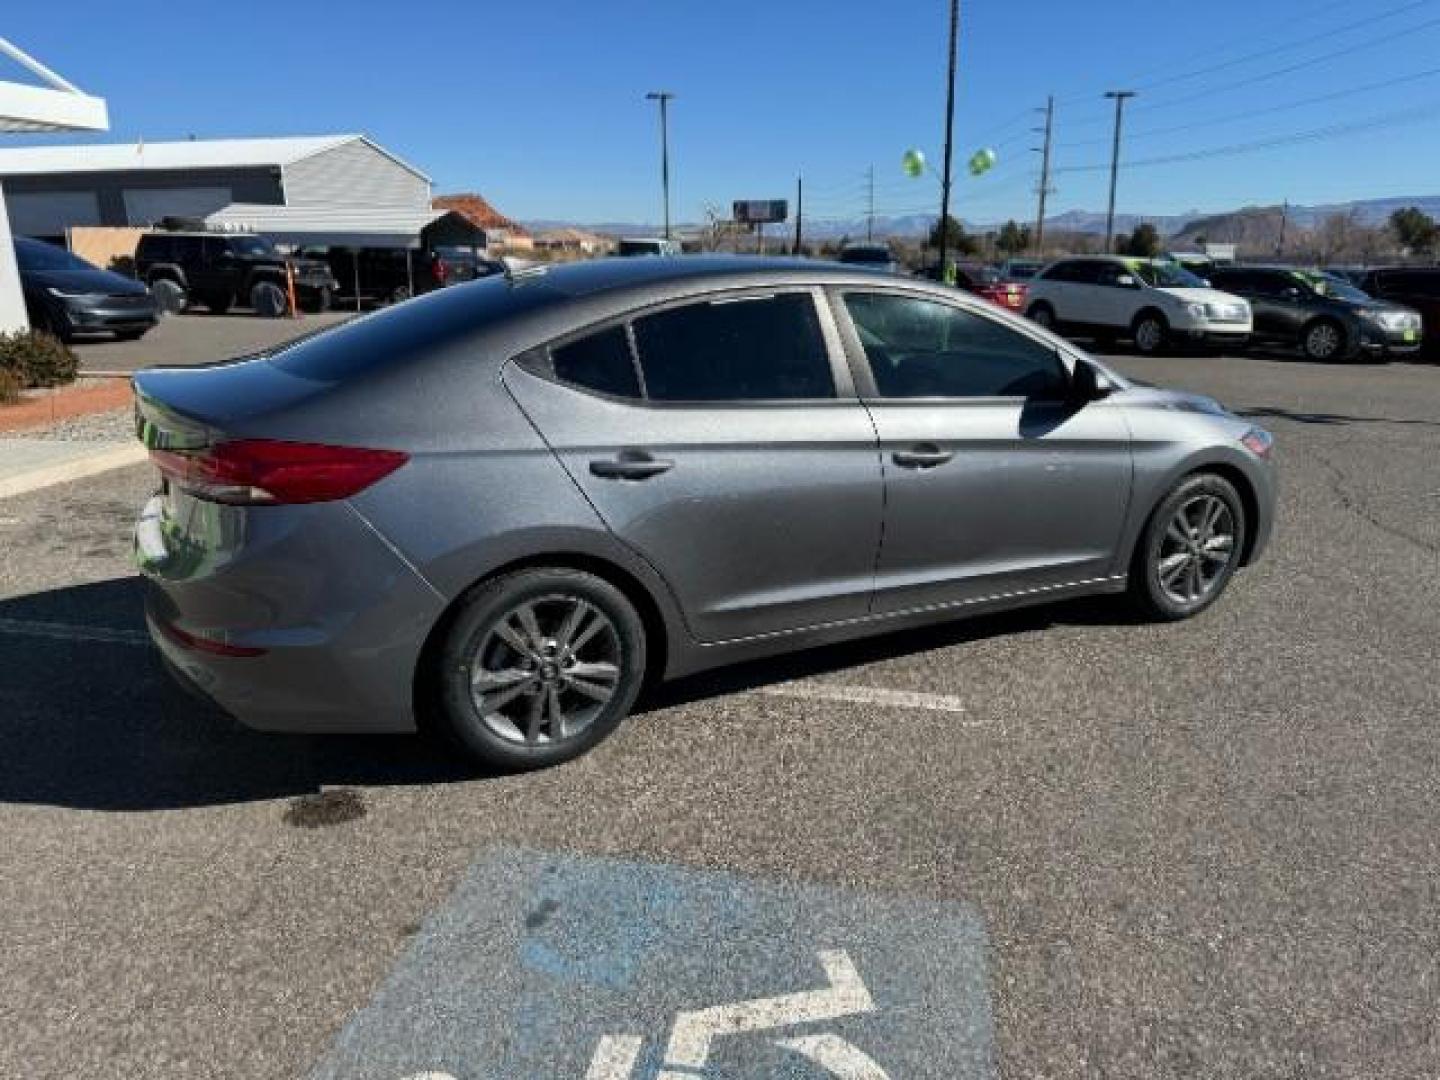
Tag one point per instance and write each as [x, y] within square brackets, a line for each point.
[1284, 220]
[870, 204]
[1120, 97]
[799, 210]
[949, 137]
[1044, 176]
[663, 97]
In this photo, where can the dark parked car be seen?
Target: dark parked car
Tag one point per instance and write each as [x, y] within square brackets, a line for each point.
[1325, 315]
[66, 295]
[506, 505]
[870, 256]
[223, 269]
[467, 264]
[1416, 287]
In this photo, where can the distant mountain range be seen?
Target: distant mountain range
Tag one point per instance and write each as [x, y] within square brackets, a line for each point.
[1196, 222]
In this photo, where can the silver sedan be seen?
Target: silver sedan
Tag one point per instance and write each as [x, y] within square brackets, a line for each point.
[505, 506]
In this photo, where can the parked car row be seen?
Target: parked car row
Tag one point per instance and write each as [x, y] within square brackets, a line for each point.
[175, 268]
[1158, 304]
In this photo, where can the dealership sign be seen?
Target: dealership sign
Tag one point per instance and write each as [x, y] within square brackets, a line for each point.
[761, 211]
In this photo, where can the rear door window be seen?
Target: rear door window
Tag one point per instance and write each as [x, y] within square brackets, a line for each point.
[752, 348]
[601, 362]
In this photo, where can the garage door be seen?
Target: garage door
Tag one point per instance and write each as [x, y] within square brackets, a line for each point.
[146, 206]
[50, 213]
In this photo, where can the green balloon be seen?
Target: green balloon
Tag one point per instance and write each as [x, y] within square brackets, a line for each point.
[981, 161]
[913, 162]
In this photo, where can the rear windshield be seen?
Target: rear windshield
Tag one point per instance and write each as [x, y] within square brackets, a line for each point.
[406, 332]
[36, 255]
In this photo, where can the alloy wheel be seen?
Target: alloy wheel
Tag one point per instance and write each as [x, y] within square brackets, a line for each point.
[1322, 342]
[1197, 549]
[545, 669]
[1148, 335]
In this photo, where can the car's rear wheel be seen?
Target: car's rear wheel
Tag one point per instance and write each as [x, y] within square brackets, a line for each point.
[1190, 548]
[1042, 315]
[267, 298]
[539, 666]
[1323, 341]
[1150, 332]
[399, 294]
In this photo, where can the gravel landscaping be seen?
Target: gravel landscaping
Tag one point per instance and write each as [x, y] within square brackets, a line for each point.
[109, 426]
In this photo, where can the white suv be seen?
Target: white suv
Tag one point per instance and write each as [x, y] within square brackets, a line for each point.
[1153, 302]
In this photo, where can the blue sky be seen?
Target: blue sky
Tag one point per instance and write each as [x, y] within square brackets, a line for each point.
[540, 106]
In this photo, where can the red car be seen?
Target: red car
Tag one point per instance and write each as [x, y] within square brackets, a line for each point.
[986, 281]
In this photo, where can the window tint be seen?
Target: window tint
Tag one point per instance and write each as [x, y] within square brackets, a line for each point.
[761, 349]
[922, 348]
[1110, 273]
[600, 362]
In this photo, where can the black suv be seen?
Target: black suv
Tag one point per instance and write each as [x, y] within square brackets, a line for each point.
[1416, 287]
[1325, 315]
[390, 275]
[222, 269]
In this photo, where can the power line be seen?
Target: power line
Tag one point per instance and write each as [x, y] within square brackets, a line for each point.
[1369, 20]
[1230, 118]
[1382, 120]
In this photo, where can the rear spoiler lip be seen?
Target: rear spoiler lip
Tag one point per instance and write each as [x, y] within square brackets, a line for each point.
[160, 427]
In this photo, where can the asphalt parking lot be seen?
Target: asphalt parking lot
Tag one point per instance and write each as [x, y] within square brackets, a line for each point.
[198, 337]
[1079, 847]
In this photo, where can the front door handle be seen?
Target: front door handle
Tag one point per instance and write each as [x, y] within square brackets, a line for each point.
[921, 456]
[630, 465]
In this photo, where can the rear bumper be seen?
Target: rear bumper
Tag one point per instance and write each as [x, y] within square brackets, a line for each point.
[295, 622]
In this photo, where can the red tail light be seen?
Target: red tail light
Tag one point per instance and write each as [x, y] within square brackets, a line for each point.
[268, 472]
[441, 270]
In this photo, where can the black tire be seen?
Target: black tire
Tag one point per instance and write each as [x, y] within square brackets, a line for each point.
[219, 303]
[170, 296]
[1151, 332]
[1323, 341]
[472, 636]
[1043, 315]
[1159, 545]
[399, 294]
[268, 299]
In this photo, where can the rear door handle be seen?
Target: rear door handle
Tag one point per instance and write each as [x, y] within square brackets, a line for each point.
[630, 465]
[921, 456]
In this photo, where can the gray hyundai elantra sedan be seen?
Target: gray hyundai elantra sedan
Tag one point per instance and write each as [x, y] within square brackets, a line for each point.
[505, 506]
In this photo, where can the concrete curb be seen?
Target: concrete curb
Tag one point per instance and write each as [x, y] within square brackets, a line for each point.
[115, 457]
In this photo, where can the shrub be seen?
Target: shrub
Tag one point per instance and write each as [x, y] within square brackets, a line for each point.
[38, 359]
[9, 387]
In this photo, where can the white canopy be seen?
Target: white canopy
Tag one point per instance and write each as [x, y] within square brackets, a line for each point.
[56, 106]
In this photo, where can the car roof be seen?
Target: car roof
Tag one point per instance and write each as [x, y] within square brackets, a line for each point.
[594, 276]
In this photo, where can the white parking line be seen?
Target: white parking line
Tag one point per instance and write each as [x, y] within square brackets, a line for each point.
[864, 695]
[70, 632]
[102, 461]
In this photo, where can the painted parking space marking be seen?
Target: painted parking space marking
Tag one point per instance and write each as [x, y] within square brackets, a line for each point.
[863, 695]
[558, 966]
[71, 632]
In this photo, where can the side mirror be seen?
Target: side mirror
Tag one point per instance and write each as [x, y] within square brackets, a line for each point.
[1290, 292]
[1088, 384]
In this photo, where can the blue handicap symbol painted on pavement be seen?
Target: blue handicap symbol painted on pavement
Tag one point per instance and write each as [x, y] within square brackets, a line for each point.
[558, 966]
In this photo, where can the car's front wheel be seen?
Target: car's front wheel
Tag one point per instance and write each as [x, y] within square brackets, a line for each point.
[539, 666]
[1323, 341]
[1190, 548]
[1150, 332]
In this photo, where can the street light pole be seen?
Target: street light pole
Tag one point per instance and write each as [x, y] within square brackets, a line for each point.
[663, 97]
[1044, 177]
[1119, 96]
[949, 133]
